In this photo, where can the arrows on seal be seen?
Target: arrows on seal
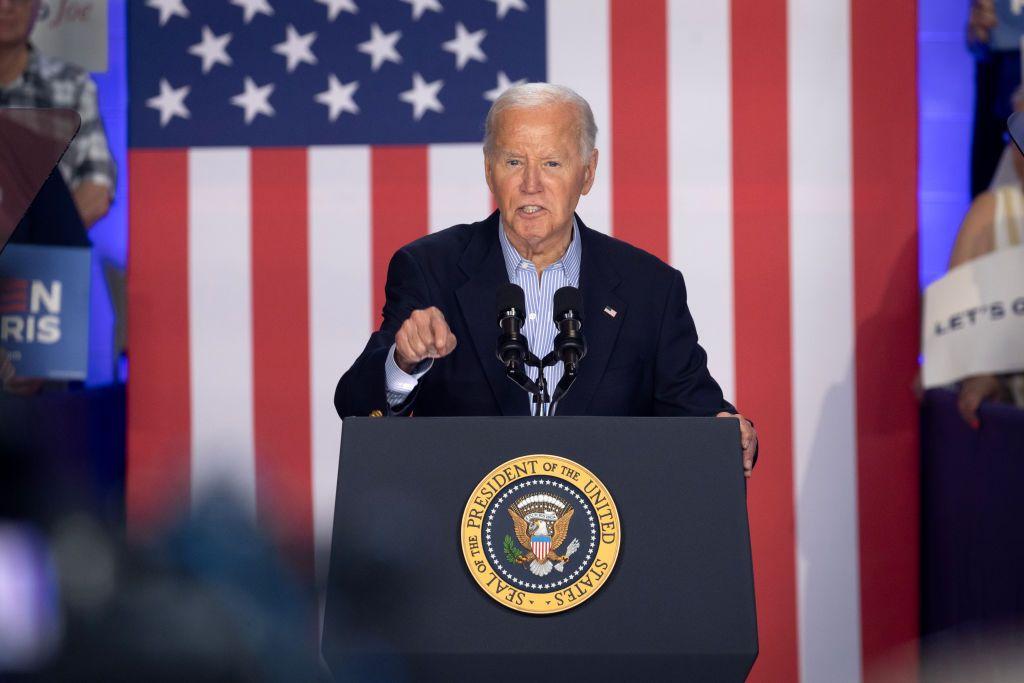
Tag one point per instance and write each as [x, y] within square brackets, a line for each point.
[573, 547]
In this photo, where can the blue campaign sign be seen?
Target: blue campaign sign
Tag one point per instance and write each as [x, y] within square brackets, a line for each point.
[44, 310]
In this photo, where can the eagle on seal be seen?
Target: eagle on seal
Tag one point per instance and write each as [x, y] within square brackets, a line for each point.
[541, 530]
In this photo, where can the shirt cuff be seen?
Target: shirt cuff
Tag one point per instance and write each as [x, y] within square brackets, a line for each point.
[399, 383]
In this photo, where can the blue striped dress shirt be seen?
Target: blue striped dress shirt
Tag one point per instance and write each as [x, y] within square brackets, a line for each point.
[540, 329]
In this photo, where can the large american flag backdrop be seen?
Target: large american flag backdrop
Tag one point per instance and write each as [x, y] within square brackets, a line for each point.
[281, 151]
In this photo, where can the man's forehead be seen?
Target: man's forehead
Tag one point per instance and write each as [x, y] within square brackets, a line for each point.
[527, 151]
[551, 132]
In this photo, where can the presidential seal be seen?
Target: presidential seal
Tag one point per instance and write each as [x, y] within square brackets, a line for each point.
[540, 534]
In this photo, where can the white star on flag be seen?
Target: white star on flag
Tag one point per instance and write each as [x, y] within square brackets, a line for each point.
[170, 102]
[338, 97]
[421, 6]
[505, 5]
[212, 49]
[503, 84]
[336, 7]
[168, 9]
[254, 7]
[255, 100]
[466, 46]
[296, 48]
[423, 96]
[381, 47]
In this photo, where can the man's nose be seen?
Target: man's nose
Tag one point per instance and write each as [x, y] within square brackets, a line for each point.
[530, 179]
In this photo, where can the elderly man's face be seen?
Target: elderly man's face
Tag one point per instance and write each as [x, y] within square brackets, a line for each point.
[536, 173]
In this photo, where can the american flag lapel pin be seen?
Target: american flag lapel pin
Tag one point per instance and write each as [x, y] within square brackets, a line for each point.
[610, 312]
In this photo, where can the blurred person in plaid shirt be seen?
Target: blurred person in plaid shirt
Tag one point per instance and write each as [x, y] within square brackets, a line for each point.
[29, 79]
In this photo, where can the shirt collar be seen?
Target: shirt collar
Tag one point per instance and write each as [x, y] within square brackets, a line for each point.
[570, 261]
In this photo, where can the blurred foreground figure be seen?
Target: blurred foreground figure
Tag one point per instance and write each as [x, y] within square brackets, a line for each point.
[208, 600]
[29, 79]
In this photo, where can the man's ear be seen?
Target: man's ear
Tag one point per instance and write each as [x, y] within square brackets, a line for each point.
[588, 172]
[487, 173]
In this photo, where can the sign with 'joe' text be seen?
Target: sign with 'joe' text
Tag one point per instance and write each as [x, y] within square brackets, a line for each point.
[44, 310]
[74, 31]
[973, 320]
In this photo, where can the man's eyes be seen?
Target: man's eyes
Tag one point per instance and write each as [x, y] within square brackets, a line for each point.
[518, 162]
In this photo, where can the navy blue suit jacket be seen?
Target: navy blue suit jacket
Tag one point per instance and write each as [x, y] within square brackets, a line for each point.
[642, 360]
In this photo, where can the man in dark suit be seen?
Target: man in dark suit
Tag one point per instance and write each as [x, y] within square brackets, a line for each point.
[435, 351]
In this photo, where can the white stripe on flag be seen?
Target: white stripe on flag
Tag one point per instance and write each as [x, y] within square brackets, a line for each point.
[339, 306]
[700, 174]
[220, 324]
[824, 438]
[585, 67]
[456, 185]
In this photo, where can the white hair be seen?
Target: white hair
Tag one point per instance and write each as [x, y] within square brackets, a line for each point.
[532, 95]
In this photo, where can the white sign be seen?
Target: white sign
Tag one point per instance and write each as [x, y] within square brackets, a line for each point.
[973, 320]
[74, 31]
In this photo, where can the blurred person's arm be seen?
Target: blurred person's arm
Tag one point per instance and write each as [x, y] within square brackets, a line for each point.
[6, 367]
[95, 174]
[92, 201]
[975, 237]
[11, 383]
[973, 391]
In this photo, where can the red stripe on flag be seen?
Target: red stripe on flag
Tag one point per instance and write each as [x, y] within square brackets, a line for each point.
[400, 208]
[884, 102]
[280, 334]
[159, 420]
[639, 115]
[762, 325]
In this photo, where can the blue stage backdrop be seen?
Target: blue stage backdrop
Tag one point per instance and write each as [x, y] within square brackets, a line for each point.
[946, 100]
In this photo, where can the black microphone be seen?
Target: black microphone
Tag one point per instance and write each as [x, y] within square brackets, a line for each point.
[569, 344]
[512, 345]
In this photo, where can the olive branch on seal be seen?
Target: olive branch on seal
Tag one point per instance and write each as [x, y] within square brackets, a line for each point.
[512, 551]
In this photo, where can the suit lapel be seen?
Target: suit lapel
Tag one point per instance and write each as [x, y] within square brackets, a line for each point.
[484, 265]
[603, 313]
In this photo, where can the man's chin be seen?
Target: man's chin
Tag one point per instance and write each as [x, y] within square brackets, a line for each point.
[534, 234]
[539, 225]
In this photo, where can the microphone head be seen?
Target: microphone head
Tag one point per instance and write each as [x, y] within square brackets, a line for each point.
[511, 297]
[568, 299]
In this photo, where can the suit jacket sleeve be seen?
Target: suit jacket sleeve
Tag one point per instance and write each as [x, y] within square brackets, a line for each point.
[683, 384]
[362, 389]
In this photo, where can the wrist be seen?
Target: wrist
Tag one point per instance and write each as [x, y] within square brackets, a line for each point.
[403, 364]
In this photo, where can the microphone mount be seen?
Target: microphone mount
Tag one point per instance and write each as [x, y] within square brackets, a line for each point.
[513, 349]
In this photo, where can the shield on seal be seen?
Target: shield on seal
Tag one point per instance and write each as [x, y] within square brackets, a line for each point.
[540, 546]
